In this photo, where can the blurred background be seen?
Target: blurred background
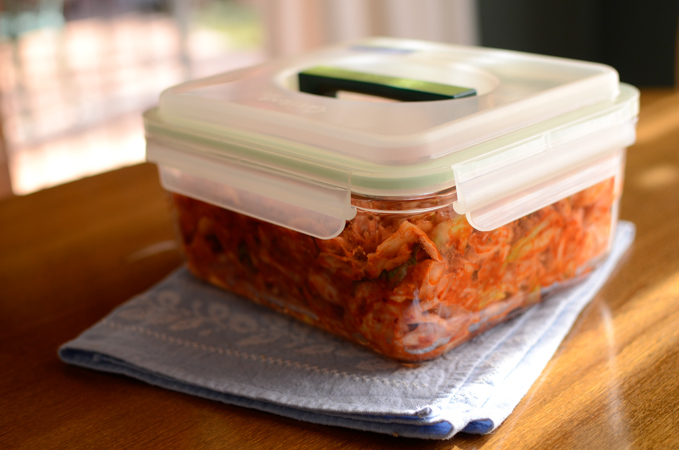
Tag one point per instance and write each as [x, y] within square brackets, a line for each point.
[75, 75]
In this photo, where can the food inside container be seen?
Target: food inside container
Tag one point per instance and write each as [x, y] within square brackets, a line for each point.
[406, 227]
[410, 286]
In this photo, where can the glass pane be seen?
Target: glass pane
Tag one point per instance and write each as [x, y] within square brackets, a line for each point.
[77, 75]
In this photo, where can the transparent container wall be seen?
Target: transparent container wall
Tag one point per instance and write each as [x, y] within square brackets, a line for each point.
[409, 286]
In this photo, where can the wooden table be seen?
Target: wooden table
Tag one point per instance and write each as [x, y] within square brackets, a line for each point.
[70, 254]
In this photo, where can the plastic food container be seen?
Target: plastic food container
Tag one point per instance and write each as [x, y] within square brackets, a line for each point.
[487, 180]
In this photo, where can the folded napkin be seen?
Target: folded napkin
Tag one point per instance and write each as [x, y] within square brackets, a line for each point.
[190, 337]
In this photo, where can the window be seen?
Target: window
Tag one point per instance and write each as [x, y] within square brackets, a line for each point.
[77, 75]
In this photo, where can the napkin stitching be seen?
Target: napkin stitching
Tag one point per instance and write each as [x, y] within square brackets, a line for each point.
[254, 357]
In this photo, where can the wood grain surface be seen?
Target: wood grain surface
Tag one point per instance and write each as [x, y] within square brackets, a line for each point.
[70, 254]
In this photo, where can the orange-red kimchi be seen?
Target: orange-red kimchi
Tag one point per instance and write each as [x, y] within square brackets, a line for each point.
[409, 286]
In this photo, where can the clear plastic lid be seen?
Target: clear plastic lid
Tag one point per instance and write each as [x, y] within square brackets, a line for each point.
[511, 122]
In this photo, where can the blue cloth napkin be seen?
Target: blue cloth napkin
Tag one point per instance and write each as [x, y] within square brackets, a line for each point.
[190, 337]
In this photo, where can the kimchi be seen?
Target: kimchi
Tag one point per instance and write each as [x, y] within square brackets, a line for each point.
[410, 286]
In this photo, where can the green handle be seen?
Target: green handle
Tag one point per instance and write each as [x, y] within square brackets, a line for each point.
[327, 81]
